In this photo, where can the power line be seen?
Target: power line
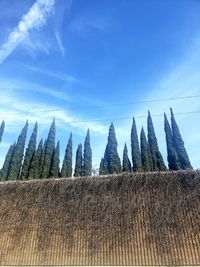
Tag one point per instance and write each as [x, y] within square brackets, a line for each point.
[104, 106]
[111, 119]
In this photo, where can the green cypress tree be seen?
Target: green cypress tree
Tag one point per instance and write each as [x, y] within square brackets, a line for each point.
[136, 156]
[2, 127]
[145, 152]
[37, 163]
[79, 162]
[103, 168]
[43, 157]
[7, 162]
[126, 162]
[172, 156]
[49, 149]
[87, 159]
[111, 157]
[67, 162]
[179, 145]
[30, 152]
[16, 162]
[157, 159]
[55, 170]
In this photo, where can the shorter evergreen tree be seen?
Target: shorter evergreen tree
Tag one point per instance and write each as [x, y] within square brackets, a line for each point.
[111, 158]
[49, 149]
[126, 162]
[7, 162]
[172, 156]
[30, 152]
[18, 154]
[157, 159]
[2, 127]
[87, 159]
[79, 162]
[136, 156]
[145, 152]
[179, 145]
[67, 162]
[55, 170]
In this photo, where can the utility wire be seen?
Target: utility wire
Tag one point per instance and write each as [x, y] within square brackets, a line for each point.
[110, 119]
[103, 106]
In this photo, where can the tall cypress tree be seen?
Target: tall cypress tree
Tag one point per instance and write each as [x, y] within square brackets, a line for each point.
[6, 166]
[103, 168]
[111, 157]
[79, 162]
[37, 163]
[30, 152]
[145, 152]
[136, 157]
[55, 170]
[179, 145]
[126, 166]
[172, 156]
[49, 149]
[87, 159]
[16, 162]
[2, 127]
[43, 157]
[67, 162]
[157, 159]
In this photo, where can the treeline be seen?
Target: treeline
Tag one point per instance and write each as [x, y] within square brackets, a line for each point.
[43, 161]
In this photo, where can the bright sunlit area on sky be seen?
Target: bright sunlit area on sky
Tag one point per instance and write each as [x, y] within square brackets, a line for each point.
[93, 62]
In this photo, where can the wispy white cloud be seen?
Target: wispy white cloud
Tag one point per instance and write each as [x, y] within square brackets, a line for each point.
[60, 45]
[13, 86]
[34, 19]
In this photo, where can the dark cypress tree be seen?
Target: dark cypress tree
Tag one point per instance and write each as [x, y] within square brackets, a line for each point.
[37, 163]
[111, 157]
[145, 152]
[157, 159]
[49, 149]
[79, 162]
[87, 159]
[30, 152]
[172, 156]
[6, 166]
[16, 162]
[103, 168]
[2, 127]
[55, 170]
[179, 145]
[67, 162]
[136, 157]
[126, 162]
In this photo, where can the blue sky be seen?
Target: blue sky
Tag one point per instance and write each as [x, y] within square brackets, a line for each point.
[58, 57]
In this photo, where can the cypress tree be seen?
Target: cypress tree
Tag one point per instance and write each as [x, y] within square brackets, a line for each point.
[29, 156]
[37, 163]
[136, 157]
[49, 149]
[43, 157]
[179, 145]
[172, 156]
[79, 162]
[126, 162]
[2, 127]
[87, 159]
[67, 162]
[111, 157]
[145, 152]
[7, 162]
[157, 159]
[103, 168]
[16, 162]
[55, 170]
